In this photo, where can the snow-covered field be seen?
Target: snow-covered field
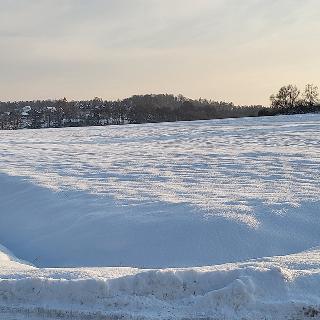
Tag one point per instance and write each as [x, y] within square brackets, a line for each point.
[118, 222]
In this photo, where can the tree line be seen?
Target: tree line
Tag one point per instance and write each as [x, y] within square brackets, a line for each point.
[133, 110]
[148, 109]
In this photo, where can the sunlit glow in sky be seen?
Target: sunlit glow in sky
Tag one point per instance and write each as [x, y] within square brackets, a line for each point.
[240, 51]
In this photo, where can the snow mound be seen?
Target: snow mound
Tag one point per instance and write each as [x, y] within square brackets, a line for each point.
[274, 288]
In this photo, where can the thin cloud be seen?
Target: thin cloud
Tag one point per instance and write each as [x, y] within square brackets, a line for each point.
[130, 46]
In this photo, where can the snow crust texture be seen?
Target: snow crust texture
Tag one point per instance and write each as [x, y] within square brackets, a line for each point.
[161, 195]
[118, 222]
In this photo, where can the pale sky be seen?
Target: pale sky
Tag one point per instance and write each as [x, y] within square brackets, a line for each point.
[232, 50]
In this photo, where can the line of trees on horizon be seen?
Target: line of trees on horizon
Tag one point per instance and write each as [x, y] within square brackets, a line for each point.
[148, 109]
[97, 112]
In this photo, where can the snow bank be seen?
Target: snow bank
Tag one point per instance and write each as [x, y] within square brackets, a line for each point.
[273, 288]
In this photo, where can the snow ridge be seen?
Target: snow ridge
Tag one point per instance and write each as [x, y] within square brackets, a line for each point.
[265, 289]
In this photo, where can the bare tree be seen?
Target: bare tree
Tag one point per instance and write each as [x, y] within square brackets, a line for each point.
[287, 97]
[311, 95]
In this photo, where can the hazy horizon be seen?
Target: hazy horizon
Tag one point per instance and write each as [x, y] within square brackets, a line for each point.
[229, 50]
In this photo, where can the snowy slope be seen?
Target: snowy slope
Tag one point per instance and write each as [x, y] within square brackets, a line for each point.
[162, 196]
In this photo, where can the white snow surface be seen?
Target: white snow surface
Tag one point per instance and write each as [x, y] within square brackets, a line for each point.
[286, 287]
[118, 222]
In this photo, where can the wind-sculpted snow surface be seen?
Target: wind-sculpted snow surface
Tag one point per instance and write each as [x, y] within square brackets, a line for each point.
[161, 195]
[228, 167]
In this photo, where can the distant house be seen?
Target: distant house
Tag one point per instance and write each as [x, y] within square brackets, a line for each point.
[26, 109]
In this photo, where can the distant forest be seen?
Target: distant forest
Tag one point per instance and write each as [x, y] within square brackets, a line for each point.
[147, 109]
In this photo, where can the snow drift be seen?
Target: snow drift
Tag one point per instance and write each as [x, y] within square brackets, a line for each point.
[171, 196]
[161, 195]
